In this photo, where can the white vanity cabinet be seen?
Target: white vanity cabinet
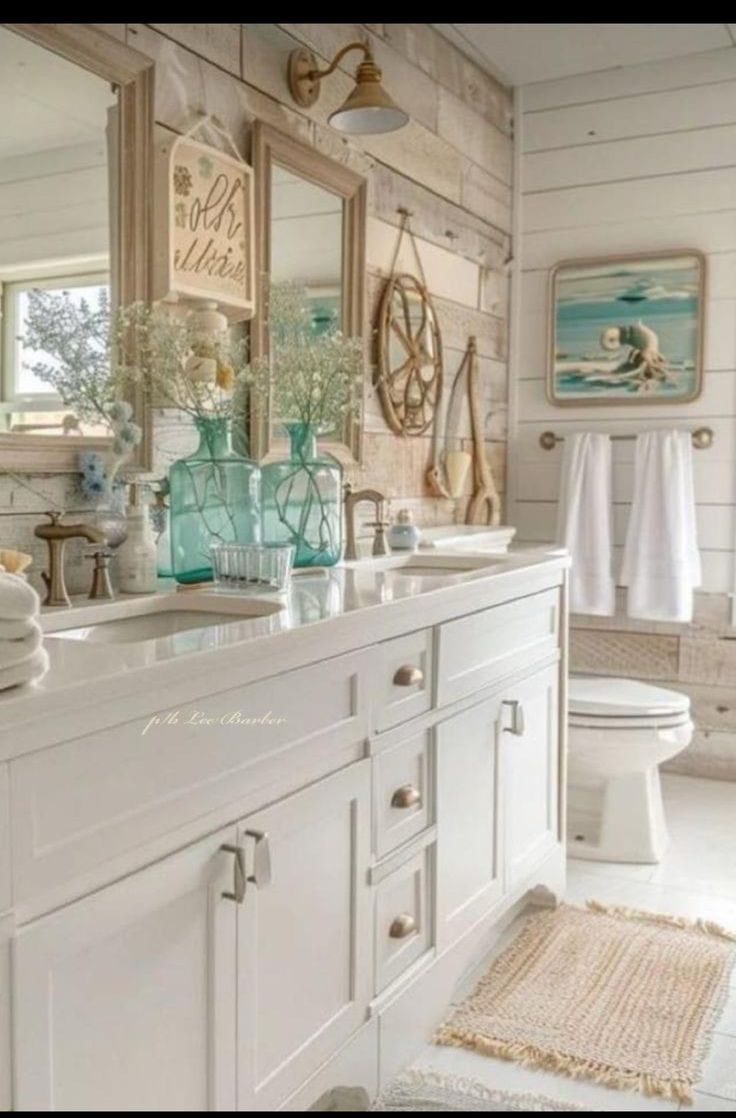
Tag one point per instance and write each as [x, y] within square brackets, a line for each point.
[126, 999]
[262, 914]
[469, 867]
[530, 772]
[304, 938]
[218, 978]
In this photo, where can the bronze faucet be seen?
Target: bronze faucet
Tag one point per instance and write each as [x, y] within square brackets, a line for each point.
[380, 543]
[56, 535]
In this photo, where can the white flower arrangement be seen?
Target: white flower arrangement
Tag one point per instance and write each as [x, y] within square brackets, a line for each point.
[315, 379]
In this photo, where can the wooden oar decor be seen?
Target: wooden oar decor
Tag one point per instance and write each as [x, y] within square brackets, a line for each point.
[484, 506]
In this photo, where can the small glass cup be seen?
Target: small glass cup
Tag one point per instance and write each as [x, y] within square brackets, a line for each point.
[252, 568]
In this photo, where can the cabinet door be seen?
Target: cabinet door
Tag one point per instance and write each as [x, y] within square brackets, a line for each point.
[125, 1000]
[530, 767]
[468, 854]
[304, 960]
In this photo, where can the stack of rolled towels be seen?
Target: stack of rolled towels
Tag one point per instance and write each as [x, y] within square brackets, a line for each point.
[22, 656]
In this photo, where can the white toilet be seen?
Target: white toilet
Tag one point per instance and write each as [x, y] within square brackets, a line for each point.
[620, 731]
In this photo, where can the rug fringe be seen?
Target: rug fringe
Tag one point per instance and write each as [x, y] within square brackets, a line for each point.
[707, 927]
[529, 1055]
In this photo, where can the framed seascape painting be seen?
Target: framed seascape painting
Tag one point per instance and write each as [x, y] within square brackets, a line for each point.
[627, 330]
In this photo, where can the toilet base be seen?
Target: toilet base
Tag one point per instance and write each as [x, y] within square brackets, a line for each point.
[632, 826]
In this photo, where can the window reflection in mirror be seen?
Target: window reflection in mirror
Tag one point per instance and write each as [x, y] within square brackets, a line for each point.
[54, 226]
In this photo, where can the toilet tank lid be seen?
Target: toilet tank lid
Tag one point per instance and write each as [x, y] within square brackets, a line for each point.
[622, 697]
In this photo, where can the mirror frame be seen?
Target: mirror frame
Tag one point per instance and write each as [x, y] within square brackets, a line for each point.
[130, 258]
[271, 146]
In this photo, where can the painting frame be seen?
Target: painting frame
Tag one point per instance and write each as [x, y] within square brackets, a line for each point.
[642, 261]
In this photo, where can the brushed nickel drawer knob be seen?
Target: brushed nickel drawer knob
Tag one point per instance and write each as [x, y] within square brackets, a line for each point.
[406, 796]
[408, 676]
[402, 926]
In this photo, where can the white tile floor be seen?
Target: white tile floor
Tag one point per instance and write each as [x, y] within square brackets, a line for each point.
[696, 878]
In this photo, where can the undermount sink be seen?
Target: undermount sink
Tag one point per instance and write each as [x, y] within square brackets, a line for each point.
[430, 566]
[128, 621]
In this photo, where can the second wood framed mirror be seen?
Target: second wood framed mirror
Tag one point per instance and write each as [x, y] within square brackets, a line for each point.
[311, 219]
[76, 146]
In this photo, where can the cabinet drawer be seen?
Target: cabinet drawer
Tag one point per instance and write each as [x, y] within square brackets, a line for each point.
[402, 924]
[95, 798]
[475, 650]
[402, 783]
[403, 679]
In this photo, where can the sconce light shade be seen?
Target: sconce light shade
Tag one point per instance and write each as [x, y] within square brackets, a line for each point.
[367, 110]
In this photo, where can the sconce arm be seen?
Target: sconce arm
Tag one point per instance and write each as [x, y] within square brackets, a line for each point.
[315, 75]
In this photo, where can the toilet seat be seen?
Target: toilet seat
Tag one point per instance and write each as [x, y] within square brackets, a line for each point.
[602, 702]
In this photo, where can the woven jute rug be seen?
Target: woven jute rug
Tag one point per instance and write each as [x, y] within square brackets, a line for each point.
[425, 1090]
[626, 998]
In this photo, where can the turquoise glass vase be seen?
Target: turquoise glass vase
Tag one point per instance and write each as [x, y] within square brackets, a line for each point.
[302, 501]
[214, 498]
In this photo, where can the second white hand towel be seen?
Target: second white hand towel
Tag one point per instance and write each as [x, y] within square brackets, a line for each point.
[584, 522]
[661, 564]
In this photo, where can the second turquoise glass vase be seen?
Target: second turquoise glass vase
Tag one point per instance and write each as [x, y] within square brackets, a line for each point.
[302, 501]
[214, 498]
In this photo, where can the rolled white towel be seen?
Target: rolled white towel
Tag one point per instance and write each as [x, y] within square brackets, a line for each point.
[16, 651]
[29, 671]
[17, 630]
[18, 599]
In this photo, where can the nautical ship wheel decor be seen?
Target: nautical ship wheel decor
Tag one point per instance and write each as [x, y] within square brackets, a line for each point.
[409, 378]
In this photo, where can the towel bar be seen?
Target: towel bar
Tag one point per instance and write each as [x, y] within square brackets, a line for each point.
[702, 438]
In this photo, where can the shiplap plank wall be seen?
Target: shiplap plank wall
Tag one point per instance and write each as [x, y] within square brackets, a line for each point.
[53, 204]
[632, 160]
[626, 161]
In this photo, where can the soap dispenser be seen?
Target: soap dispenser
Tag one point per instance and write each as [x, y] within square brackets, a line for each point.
[403, 535]
[137, 554]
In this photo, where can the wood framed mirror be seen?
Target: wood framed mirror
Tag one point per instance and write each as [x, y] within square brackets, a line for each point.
[76, 158]
[311, 222]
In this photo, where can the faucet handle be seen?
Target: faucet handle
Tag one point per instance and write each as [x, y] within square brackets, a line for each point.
[101, 585]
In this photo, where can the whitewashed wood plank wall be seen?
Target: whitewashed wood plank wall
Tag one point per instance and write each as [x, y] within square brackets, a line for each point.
[451, 166]
[635, 159]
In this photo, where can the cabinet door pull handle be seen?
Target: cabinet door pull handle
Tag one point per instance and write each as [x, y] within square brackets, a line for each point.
[402, 926]
[238, 893]
[406, 796]
[408, 676]
[261, 876]
[517, 717]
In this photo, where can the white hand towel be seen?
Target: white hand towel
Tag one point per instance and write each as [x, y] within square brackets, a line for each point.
[661, 564]
[28, 672]
[16, 630]
[18, 599]
[584, 522]
[22, 648]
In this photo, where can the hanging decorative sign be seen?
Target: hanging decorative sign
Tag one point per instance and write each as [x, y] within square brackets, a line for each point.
[204, 227]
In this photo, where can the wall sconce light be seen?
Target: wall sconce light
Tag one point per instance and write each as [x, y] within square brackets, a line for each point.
[367, 110]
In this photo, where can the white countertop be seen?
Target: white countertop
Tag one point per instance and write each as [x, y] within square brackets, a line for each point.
[323, 615]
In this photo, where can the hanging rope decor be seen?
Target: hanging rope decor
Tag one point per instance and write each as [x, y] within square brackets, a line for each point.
[409, 375]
